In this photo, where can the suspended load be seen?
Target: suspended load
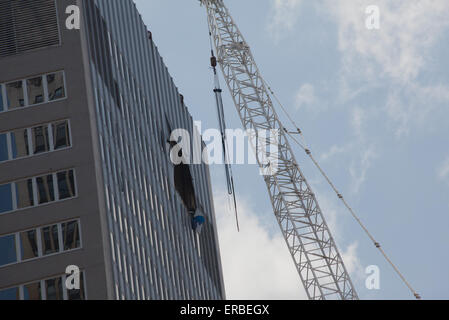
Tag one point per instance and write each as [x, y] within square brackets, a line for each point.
[198, 220]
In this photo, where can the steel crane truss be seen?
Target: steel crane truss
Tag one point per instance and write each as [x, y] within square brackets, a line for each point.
[309, 240]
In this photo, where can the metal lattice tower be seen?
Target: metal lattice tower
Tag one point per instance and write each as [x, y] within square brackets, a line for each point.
[304, 228]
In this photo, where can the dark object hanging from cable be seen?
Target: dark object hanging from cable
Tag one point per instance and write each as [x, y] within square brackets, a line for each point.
[222, 123]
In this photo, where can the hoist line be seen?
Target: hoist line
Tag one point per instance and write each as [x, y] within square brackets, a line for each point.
[308, 151]
[222, 124]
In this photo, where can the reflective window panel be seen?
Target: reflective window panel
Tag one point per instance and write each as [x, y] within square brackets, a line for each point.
[10, 294]
[41, 142]
[53, 289]
[61, 136]
[55, 82]
[8, 253]
[3, 147]
[50, 243]
[6, 203]
[35, 90]
[24, 193]
[66, 184]
[15, 95]
[19, 143]
[32, 291]
[45, 189]
[71, 235]
[28, 244]
[2, 107]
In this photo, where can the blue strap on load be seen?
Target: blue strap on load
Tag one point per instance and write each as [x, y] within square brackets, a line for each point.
[198, 221]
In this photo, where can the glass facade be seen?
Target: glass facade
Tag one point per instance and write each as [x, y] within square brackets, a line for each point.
[8, 250]
[39, 242]
[27, 142]
[28, 245]
[29, 251]
[10, 294]
[36, 191]
[155, 253]
[32, 91]
[15, 95]
[46, 289]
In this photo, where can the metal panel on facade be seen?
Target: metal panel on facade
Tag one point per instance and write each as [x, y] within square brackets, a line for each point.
[155, 254]
[27, 25]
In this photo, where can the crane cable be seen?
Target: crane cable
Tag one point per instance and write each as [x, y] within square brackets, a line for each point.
[222, 123]
[304, 146]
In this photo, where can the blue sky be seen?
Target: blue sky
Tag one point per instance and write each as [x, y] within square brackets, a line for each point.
[374, 106]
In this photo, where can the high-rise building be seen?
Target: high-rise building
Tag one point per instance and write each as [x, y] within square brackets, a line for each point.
[86, 178]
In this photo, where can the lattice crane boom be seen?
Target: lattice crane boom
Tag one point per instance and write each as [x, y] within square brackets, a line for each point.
[304, 228]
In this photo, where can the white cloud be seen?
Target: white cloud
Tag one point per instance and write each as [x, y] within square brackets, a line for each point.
[352, 262]
[365, 151]
[408, 29]
[256, 261]
[359, 168]
[285, 14]
[414, 105]
[333, 151]
[361, 155]
[256, 264]
[358, 119]
[360, 151]
[305, 95]
[396, 55]
[443, 170]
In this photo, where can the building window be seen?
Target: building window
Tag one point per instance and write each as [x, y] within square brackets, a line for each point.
[39, 242]
[15, 95]
[71, 235]
[61, 134]
[36, 191]
[53, 289]
[32, 291]
[50, 240]
[35, 89]
[41, 142]
[19, 143]
[4, 154]
[8, 252]
[2, 107]
[32, 91]
[55, 84]
[6, 201]
[45, 189]
[10, 294]
[28, 245]
[66, 184]
[24, 194]
[32, 141]
[47, 289]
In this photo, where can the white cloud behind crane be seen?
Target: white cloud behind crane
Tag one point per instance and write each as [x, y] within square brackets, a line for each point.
[364, 104]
